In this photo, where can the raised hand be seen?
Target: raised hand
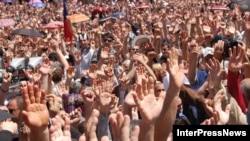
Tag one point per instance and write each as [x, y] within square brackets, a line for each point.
[78, 57]
[218, 49]
[29, 73]
[124, 81]
[56, 132]
[150, 106]
[141, 76]
[108, 70]
[71, 72]
[6, 80]
[92, 73]
[54, 44]
[216, 74]
[53, 104]
[168, 113]
[105, 52]
[120, 127]
[45, 67]
[75, 117]
[9, 54]
[105, 102]
[62, 88]
[195, 49]
[129, 100]
[35, 113]
[236, 56]
[176, 72]
[91, 125]
[88, 96]
[221, 117]
[101, 85]
[140, 57]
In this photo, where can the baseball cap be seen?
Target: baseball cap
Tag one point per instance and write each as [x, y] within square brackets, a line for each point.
[5, 115]
[207, 51]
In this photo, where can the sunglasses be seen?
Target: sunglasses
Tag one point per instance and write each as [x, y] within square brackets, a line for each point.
[134, 49]
[107, 40]
[12, 110]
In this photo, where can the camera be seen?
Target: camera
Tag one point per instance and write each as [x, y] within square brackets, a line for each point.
[34, 61]
[17, 67]
[228, 43]
[17, 64]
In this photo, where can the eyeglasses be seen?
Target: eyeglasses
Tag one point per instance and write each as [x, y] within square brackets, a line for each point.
[12, 110]
[107, 40]
[134, 49]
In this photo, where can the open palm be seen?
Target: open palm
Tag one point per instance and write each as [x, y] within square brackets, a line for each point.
[150, 107]
[35, 112]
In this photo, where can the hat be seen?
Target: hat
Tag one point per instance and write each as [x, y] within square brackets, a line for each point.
[207, 51]
[5, 115]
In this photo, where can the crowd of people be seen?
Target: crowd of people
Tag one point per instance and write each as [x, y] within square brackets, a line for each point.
[131, 70]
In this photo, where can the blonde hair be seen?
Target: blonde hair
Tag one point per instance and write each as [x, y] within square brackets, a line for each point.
[157, 67]
[158, 70]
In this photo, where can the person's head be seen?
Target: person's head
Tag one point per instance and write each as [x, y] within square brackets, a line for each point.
[159, 71]
[15, 105]
[53, 57]
[159, 88]
[163, 60]
[125, 65]
[133, 50]
[107, 39]
[207, 54]
[57, 75]
[164, 46]
[75, 87]
[84, 40]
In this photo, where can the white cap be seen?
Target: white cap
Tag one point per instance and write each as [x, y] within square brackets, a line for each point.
[207, 51]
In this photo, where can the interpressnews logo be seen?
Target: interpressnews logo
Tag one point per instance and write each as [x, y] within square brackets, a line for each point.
[202, 132]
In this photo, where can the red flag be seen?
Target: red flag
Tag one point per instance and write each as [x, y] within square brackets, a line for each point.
[67, 31]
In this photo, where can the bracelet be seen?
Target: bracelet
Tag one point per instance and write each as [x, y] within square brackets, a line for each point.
[5, 91]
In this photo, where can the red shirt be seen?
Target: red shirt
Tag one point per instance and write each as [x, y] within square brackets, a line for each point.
[233, 85]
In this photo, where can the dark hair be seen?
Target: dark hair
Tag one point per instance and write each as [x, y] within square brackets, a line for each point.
[228, 43]
[53, 56]
[182, 121]
[108, 35]
[57, 75]
[71, 60]
[164, 58]
[1, 53]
